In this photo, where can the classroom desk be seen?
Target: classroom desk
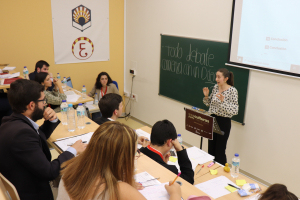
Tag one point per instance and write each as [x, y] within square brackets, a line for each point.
[80, 100]
[221, 172]
[8, 85]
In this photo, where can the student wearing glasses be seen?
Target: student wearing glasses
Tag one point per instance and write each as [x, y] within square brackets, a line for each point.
[24, 154]
[105, 170]
[54, 97]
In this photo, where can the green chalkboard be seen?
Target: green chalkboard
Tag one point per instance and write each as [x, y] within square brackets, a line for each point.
[187, 65]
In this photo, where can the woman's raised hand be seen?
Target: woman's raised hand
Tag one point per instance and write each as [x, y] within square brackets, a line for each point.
[206, 91]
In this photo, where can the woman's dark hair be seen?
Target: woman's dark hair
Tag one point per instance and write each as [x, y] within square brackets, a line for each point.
[98, 83]
[22, 92]
[40, 77]
[162, 131]
[277, 192]
[228, 74]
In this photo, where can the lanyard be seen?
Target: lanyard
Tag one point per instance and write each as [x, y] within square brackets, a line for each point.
[102, 92]
[155, 151]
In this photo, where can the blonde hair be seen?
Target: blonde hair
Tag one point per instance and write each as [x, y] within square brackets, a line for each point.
[108, 158]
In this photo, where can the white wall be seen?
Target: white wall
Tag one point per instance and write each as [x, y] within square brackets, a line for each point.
[268, 143]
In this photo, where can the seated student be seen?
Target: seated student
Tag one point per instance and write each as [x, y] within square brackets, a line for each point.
[111, 107]
[277, 192]
[24, 154]
[105, 169]
[5, 108]
[54, 98]
[163, 138]
[41, 66]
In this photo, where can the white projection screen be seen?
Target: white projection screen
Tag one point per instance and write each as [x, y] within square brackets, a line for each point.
[265, 35]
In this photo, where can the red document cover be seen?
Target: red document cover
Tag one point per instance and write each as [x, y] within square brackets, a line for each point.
[10, 80]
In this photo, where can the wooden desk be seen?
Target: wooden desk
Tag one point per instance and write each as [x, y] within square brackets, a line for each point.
[8, 85]
[221, 172]
[80, 100]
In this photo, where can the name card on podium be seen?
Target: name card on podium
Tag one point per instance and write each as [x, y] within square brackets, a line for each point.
[199, 123]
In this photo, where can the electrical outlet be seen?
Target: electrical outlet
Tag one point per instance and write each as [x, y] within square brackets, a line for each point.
[132, 72]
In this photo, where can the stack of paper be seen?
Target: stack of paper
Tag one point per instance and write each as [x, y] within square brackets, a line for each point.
[70, 92]
[157, 192]
[65, 143]
[199, 156]
[9, 68]
[216, 187]
[10, 75]
[140, 132]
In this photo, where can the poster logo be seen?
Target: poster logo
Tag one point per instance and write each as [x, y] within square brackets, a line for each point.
[81, 18]
[82, 48]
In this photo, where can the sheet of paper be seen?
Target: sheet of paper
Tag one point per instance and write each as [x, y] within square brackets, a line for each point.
[230, 189]
[240, 182]
[73, 98]
[65, 143]
[140, 132]
[89, 103]
[9, 68]
[194, 164]
[215, 187]
[91, 107]
[198, 155]
[157, 192]
[254, 197]
[17, 74]
[213, 172]
[69, 92]
[146, 179]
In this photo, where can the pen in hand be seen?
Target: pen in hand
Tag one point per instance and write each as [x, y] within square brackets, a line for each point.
[175, 178]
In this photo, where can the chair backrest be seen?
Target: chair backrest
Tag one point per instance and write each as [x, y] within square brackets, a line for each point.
[8, 190]
[115, 82]
[69, 82]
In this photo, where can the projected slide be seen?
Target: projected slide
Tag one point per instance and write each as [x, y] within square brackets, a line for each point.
[267, 34]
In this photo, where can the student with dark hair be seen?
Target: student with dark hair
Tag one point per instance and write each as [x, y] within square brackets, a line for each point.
[54, 98]
[24, 154]
[277, 192]
[111, 107]
[41, 66]
[5, 108]
[163, 138]
[223, 104]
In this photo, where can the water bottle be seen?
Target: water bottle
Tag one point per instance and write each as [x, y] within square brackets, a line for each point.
[235, 168]
[71, 118]
[83, 91]
[25, 73]
[96, 101]
[179, 138]
[80, 116]
[64, 109]
[64, 83]
[58, 76]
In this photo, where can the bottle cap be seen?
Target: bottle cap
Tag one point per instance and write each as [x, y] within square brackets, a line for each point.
[179, 135]
[236, 155]
[83, 85]
[64, 101]
[96, 93]
[70, 105]
[80, 104]
[64, 77]
[57, 73]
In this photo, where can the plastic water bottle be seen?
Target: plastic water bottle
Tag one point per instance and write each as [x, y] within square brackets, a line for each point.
[58, 76]
[63, 111]
[25, 73]
[83, 91]
[179, 138]
[96, 101]
[235, 169]
[64, 83]
[71, 118]
[80, 116]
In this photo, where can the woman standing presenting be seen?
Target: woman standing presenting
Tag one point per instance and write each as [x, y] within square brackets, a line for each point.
[223, 104]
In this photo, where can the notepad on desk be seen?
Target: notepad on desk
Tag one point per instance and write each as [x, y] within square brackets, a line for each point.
[199, 155]
[64, 143]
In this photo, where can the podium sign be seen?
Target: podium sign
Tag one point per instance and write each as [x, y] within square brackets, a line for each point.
[199, 123]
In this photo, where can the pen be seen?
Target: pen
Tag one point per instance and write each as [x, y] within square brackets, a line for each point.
[211, 164]
[200, 169]
[175, 178]
[147, 140]
[234, 186]
[73, 143]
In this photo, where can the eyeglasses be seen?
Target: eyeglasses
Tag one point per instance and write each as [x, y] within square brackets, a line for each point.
[137, 154]
[44, 100]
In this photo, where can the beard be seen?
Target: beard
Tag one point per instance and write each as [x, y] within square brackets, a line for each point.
[37, 113]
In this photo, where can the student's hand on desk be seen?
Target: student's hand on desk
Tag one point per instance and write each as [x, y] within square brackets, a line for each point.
[177, 145]
[79, 146]
[173, 190]
[167, 157]
[49, 114]
[138, 186]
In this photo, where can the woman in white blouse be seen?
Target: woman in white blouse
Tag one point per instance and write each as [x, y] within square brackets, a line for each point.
[223, 104]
